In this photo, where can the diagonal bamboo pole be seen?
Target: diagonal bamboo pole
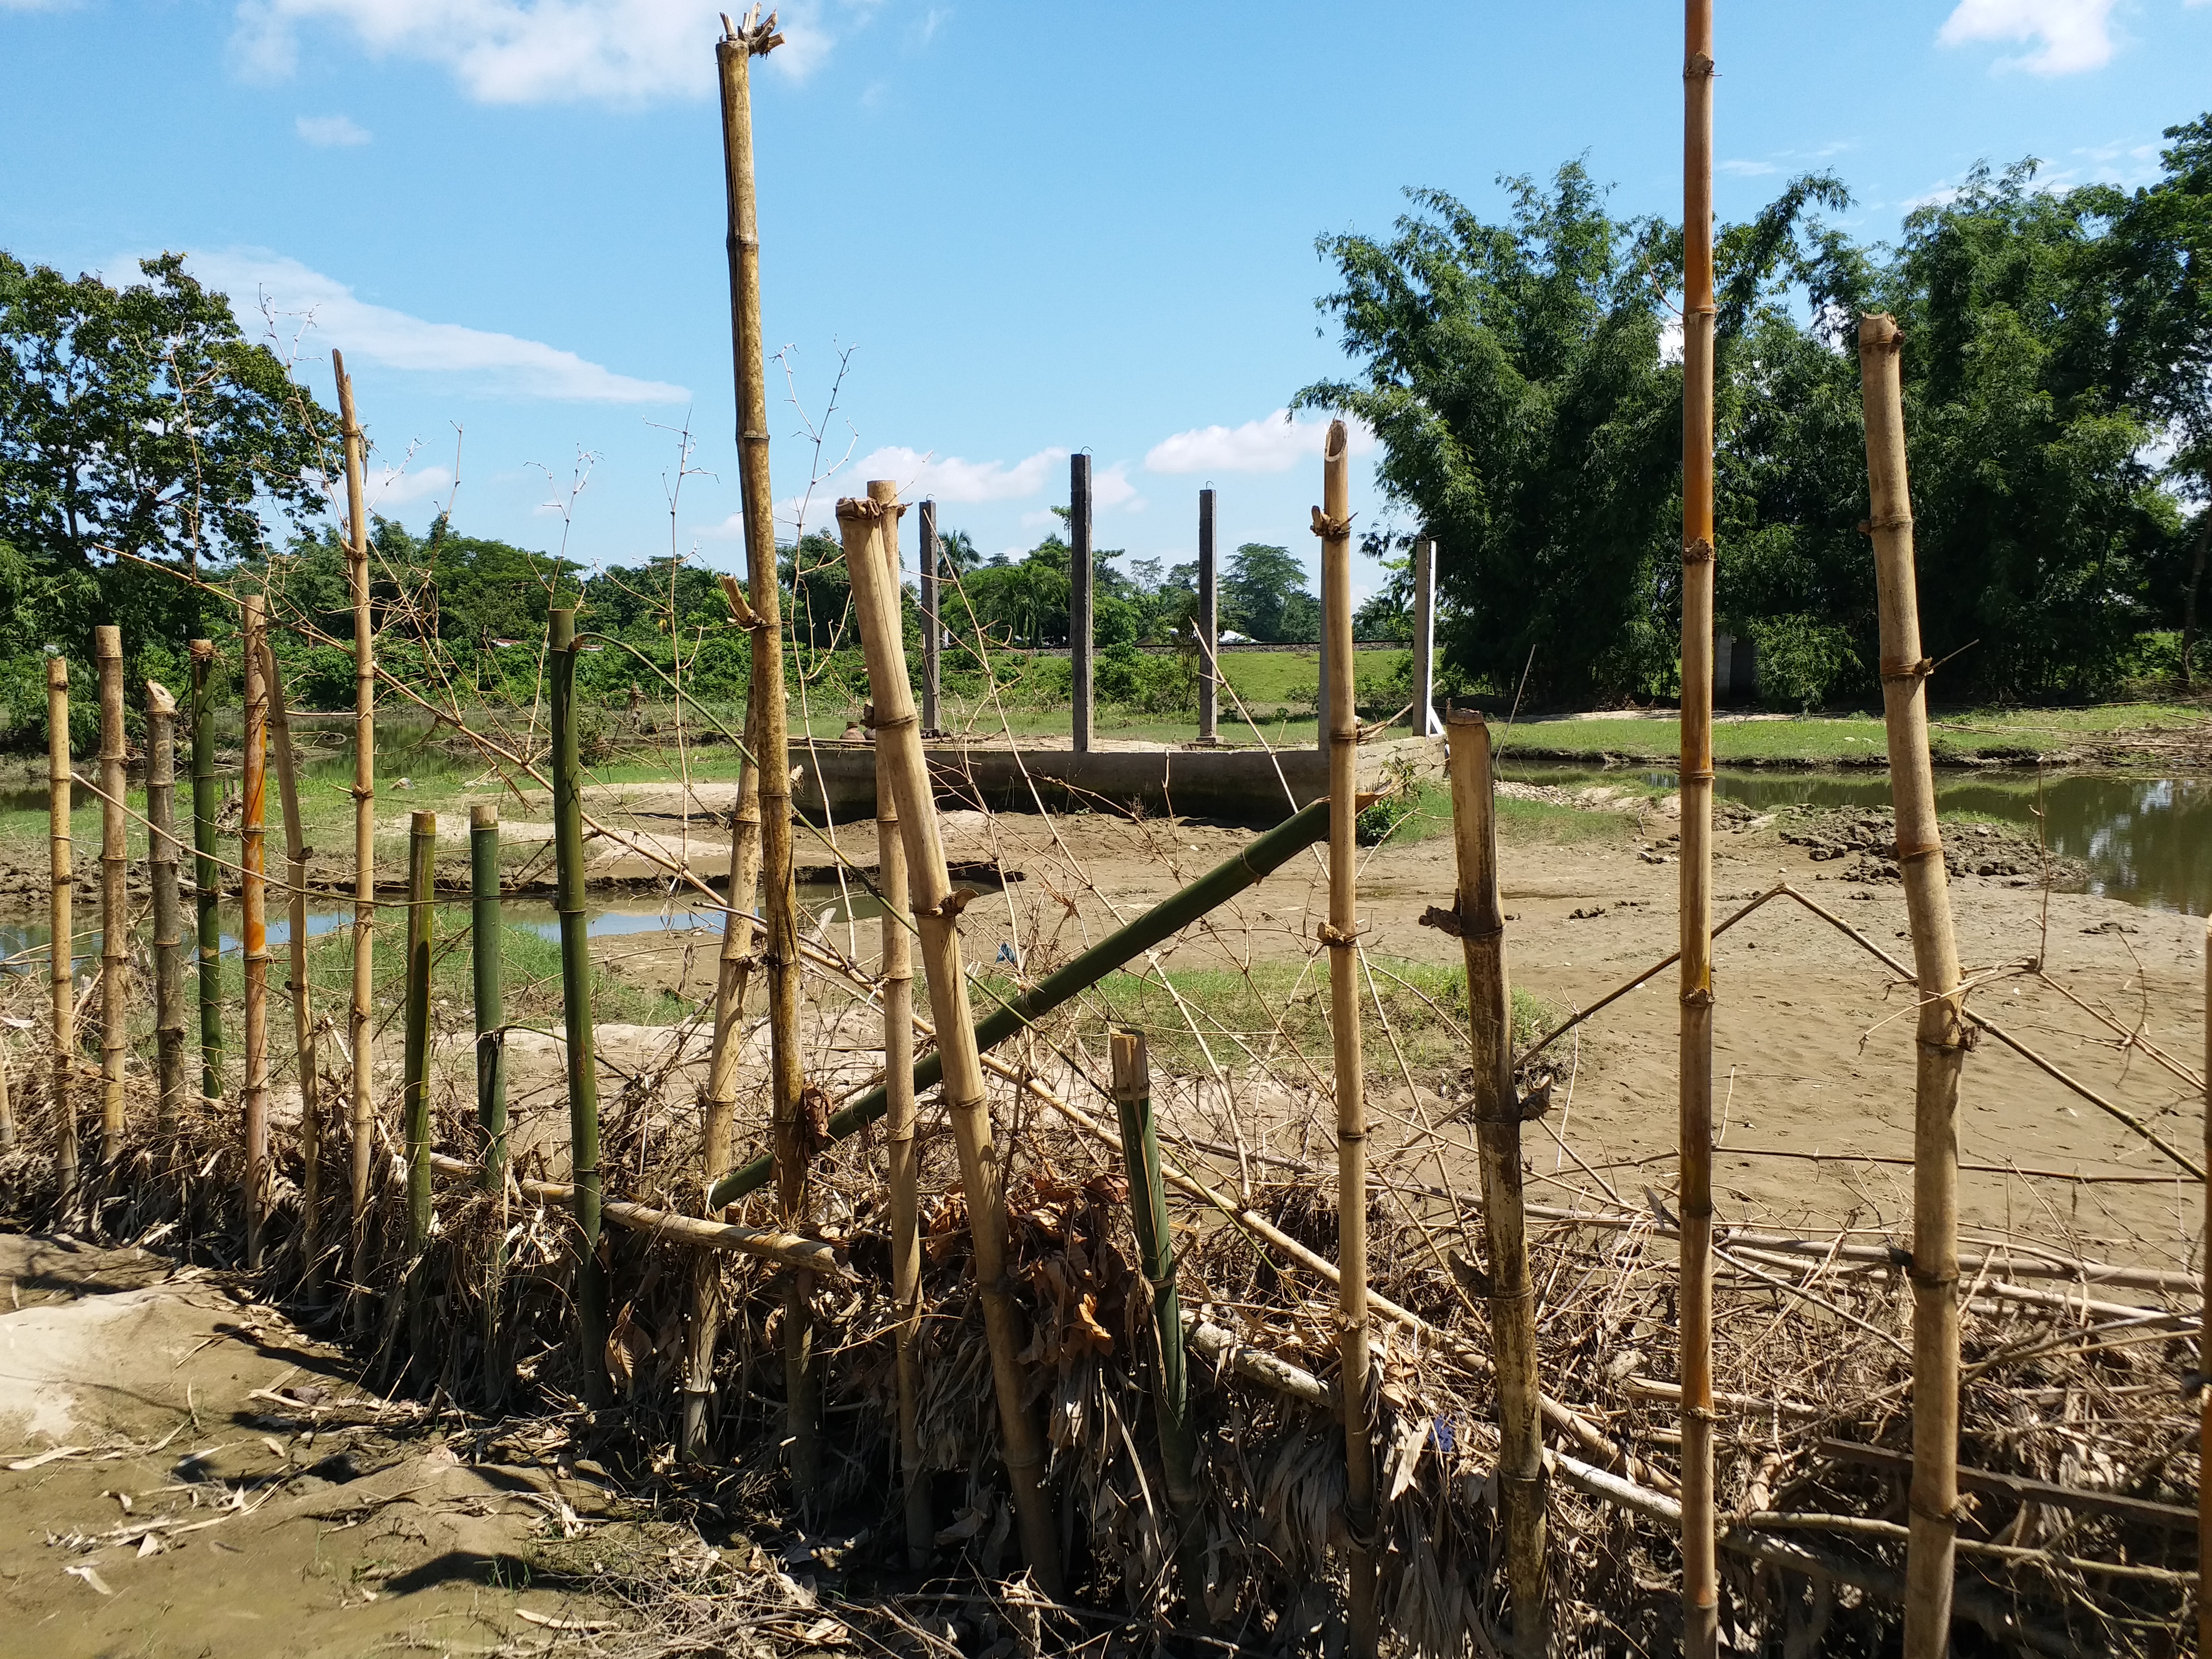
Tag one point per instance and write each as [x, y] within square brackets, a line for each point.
[1148, 1219]
[207, 875]
[61, 952]
[1332, 522]
[576, 1005]
[489, 997]
[360, 1114]
[114, 899]
[414, 1080]
[168, 911]
[253, 891]
[1481, 926]
[900, 1150]
[1942, 1037]
[937, 915]
[303, 1013]
[1700, 1566]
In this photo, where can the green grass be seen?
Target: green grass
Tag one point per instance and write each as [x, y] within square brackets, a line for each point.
[2020, 733]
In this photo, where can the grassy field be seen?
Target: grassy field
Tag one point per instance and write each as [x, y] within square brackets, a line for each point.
[2022, 734]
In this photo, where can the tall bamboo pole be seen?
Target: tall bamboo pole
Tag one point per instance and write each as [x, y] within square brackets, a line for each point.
[207, 876]
[718, 1115]
[60, 953]
[733, 55]
[114, 898]
[1700, 1567]
[1082, 578]
[899, 1144]
[928, 555]
[1148, 1219]
[168, 911]
[576, 1004]
[1941, 1044]
[1207, 625]
[303, 1013]
[937, 915]
[361, 1116]
[415, 1079]
[486, 982]
[7, 1106]
[1332, 523]
[1481, 928]
[2204, 1347]
[252, 892]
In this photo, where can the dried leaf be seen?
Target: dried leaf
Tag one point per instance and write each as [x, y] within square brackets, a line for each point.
[91, 1577]
[44, 1458]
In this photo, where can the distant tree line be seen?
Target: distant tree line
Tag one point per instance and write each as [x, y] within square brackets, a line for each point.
[2058, 408]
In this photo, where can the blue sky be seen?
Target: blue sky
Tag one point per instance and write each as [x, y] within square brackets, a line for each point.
[1024, 228]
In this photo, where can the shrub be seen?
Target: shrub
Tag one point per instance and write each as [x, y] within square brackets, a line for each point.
[1803, 662]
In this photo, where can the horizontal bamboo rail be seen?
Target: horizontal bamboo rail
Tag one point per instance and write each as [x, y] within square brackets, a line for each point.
[1267, 853]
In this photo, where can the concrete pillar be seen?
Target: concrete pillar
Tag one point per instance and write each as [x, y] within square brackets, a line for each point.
[932, 628]
[1424, 721]
[1078, 592]
[1209, 623]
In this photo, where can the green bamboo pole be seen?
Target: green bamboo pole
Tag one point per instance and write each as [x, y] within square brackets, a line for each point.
[484, 939]
[1267, 853]
[303, 1013]
[415, 1081]
[61, 952]
[1148, 1217]
[207, 874]
[254, 924]
[114, 896]
[576, 1004]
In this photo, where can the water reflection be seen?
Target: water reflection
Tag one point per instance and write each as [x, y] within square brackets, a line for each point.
[2143, 838]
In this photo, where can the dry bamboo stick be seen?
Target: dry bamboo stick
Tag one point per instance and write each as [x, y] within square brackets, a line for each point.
[2204, 1331]
[207, 876]
[488, 996]
[810, 1253]
[7, 1106]
[1700, 1580]
[161, 851]
[1942, 1036]
[899, 1148]
[1332, 522]
[937, 913]
[252, 892]
[61, 952]
[1270, 1370]
[303, 1030]
[1481, 929]
[415, 1082]
[733, 55]
[114, 899]
[360, 1113]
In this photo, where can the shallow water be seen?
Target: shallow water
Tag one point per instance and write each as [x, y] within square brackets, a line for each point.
[2145, 840]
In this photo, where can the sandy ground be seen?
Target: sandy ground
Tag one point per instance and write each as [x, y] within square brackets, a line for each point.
[185, 1473]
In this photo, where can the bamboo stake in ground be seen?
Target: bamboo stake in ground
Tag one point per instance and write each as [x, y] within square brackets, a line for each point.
[114, 899]
[733, 55]
[1700, 1565]
[303, 1013]
[415, 1081]
[1148, 1219]
[252, 893]
[1332, 522]
[899, 1145]
[576, 1004]
[490, 997]
[61, 952]
[7, 1106]
[937, 915]
[360, 1113]
[168, 910]
[718, 1115]
[1480, 921]
[207, 876]
[1941, 1035]
[2204, 1341]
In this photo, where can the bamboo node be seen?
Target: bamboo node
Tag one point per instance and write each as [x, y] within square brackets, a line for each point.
[1700, 63]
[1701, 998]
[1697, 550]
[1701, 1415]
[1909, 671]
[1329, 529]
[1921, 853]
[1337, 938]
[858, 509]
[950, 906]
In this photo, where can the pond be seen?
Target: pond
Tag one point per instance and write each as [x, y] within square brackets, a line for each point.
[2146, 840]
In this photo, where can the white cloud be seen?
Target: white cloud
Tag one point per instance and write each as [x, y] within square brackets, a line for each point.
[2073, 35]
[1747, 169]
[1112, 487]
[921, 477]
[331, 131]
[531, 52]
[502, 363]
[387, 489]
[1274, 443]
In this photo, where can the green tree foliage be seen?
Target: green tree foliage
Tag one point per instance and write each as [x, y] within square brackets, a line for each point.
[1531, 420]
[1264, 594]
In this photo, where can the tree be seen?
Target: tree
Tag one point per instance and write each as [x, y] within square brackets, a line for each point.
[1261, 593]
